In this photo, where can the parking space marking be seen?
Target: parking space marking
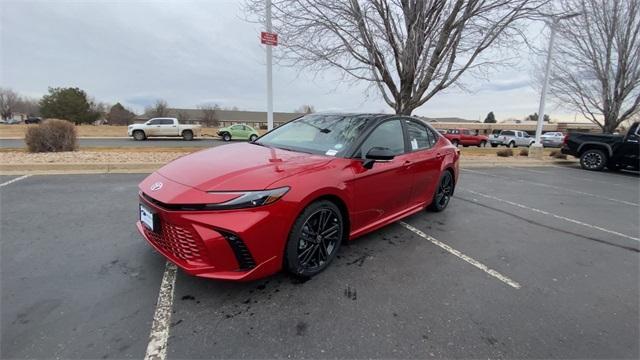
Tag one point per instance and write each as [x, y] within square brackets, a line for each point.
[560, 217]
[14, 180]
[157, 347]
[554, 187]
[462, 256]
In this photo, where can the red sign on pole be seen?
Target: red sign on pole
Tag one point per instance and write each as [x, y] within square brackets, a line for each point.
[269, 38]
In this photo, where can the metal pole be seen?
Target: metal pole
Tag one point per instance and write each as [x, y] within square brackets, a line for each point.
[269, 76]
[547, 72]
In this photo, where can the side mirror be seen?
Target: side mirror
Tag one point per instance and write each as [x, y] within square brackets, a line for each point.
[377, 154]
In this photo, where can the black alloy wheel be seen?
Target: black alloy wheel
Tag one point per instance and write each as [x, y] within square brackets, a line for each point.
[594, 160]
[315, 239]
[443, 193]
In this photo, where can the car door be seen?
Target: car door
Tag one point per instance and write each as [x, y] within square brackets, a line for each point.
[168, 127]
[384, 189]
[153, 127]
[425, 160]
[630, 148]
[236, 131]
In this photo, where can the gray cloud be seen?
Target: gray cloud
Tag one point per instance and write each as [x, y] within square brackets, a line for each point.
[190, 53]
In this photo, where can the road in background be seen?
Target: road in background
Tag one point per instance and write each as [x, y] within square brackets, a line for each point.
[79, 282]
[86, 143]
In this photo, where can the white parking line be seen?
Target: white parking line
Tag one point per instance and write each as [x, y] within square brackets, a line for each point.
[14, 180]
[157, 347]
[560, 217]
[462, 256]
[554, 187]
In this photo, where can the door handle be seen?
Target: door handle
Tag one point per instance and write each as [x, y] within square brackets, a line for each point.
[408, 162]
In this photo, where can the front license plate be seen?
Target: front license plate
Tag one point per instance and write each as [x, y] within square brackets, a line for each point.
[147, 218]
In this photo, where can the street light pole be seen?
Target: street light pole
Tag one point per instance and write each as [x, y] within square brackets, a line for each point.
[545, 85]
[269, 75]
[537, 149]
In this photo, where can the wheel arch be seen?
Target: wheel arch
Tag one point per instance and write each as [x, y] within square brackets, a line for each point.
[591, 145]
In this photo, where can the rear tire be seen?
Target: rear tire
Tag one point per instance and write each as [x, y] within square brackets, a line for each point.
[443, 193]
[139, 135]
[187, 135]
[454, 143]
[593, 160]
[511, 144]
[314, 239]
[482, 144]
[494, 145]
[253, 138]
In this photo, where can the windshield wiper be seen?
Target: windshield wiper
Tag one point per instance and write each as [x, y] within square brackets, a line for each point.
[322, 130]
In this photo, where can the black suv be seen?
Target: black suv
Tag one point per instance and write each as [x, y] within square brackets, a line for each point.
[599, 150]
[33, 120]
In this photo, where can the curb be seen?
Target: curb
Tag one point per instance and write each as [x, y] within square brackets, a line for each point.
[145, 168]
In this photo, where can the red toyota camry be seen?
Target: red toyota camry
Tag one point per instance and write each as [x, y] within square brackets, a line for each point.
[289, 199]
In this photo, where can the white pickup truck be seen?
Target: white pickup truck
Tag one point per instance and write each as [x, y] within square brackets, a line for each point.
[161, 127]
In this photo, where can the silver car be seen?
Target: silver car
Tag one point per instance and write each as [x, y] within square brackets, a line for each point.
[511, 138]
[552, 139]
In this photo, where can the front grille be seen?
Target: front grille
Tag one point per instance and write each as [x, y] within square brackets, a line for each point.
[177, 240]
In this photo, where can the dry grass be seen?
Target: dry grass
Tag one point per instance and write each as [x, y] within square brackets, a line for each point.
[18, 131]
[89, 157]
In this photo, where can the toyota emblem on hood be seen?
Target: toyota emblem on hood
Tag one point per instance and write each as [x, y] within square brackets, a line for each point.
[156, 186]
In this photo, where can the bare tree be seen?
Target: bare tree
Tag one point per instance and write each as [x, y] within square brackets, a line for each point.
[596, 69]
[8, 101]
[305, 109]
[159, 109]
[209, 115]
[27, 105]
[409, 49]
[183, 117]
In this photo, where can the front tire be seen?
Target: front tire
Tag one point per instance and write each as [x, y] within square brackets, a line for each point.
[593, 160]
[226, 137]
[139, 135]
[443, 192]
[482, 144]
[314, 239]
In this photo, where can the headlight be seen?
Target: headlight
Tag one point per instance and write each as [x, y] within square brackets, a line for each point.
[249, 199]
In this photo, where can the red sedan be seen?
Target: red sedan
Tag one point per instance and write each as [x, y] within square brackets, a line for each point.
[289, 199]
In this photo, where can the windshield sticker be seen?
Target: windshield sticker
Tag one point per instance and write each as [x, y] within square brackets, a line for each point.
[331, 152]
[337, 146]
[414, 144]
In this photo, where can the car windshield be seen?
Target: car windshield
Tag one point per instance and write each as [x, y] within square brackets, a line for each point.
[317, 134]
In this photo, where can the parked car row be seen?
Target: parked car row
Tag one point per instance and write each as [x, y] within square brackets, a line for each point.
[29, 120]
[171, 127]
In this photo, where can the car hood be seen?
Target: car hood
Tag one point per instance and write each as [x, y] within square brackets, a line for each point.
[241, 166]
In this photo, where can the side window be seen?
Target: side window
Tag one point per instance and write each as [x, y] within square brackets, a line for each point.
[433, 137]
[167, 122]
[388, 135]
[154, 122]
[418, 136]
[465, 132]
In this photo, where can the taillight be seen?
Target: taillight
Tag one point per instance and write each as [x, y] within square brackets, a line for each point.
[565, 139]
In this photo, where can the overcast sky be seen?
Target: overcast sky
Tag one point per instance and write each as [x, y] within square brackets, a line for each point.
[195, 52]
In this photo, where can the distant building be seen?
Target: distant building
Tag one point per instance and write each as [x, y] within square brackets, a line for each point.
[256, 119]
[456, 120]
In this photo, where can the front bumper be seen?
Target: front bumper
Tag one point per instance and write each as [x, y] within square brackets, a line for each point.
[229, 245]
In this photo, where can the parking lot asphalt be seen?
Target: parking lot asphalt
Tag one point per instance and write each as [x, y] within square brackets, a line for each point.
[86, 143]
[78, 281]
